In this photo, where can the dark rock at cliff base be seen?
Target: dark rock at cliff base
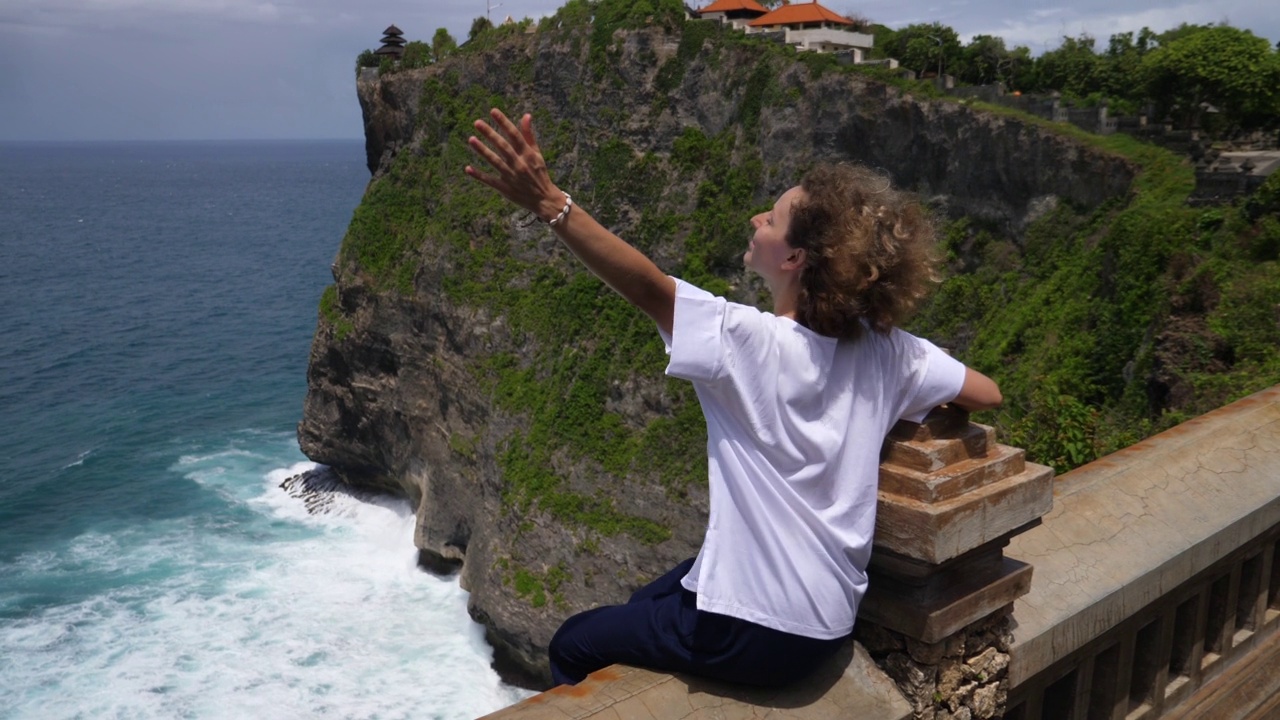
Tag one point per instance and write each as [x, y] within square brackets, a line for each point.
[550, 459]
[322, 492]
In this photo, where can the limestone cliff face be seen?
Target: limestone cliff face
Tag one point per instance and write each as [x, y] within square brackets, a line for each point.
[456, 397]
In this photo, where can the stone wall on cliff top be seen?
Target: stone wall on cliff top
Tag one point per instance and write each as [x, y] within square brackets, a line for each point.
[423, 382]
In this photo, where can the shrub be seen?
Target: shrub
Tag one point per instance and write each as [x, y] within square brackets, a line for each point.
[366, 59]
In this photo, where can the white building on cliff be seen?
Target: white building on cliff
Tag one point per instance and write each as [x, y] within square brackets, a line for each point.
[811, 26]
[808, 26]
[733, 12]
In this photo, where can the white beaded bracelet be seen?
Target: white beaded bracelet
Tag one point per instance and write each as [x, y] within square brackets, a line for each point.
[568, 203]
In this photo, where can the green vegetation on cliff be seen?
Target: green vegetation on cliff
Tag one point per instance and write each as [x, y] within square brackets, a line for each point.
[1101, 326]
[332, 313]
[1106, 327]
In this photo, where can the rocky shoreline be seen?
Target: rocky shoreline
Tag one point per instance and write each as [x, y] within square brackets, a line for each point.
[319, 487]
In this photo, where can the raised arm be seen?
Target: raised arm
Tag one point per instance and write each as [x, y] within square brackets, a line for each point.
[520, 175]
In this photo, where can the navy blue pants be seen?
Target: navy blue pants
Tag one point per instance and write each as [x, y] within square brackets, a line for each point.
[661, 628]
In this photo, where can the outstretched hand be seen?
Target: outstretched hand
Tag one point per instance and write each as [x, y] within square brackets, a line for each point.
[520, 173]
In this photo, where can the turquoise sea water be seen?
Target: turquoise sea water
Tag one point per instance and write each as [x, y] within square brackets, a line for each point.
[157, 302]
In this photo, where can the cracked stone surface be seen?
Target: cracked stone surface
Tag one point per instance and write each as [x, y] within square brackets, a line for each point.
[1131, 526]
[850, 686]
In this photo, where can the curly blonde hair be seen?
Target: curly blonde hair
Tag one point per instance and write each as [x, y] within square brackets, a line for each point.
[869, 252]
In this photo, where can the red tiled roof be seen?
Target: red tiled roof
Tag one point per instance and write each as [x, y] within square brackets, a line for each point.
[731, 5]
[800, 13]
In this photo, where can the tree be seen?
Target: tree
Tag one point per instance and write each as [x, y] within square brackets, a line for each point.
[861, 23]
[442, 43]
[882, 38]
[1182, 31]
[982, 60]
[1219, 68]
[416, 54]
[925, 47]
[478, 27]
[639, 12]
[366, 59]
[1071, 68]
[1120, 66]
[986, 60]
[1019, 69]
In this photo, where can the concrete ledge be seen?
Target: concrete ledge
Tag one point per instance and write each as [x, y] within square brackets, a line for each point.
[1130, 527]
[850, 686]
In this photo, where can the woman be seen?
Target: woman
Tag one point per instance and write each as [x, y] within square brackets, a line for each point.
[797, 402]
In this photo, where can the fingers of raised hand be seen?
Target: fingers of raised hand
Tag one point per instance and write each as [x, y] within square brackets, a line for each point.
[486, 153]
[497, 146]
[526, 130]
[519, 170]
[504, 136]
[490, 180]
[508, 128]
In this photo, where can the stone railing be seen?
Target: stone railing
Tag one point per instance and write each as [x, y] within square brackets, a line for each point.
[1156, 593]
[1158, 585]
[1221, 177]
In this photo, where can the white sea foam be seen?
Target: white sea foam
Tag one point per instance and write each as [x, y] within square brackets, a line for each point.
[214, 456]
[78, 461]
[267, 611]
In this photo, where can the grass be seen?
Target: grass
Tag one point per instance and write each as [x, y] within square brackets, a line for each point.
[332, 314]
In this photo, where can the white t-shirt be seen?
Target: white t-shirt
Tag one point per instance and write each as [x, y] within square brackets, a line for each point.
[795, 424]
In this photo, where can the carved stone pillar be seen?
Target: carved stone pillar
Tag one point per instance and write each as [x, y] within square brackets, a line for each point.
[935, 615]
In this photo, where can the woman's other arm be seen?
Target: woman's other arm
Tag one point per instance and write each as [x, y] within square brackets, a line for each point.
[520, 175]
[979, 392]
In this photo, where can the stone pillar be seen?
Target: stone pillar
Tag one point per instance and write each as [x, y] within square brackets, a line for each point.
[936, 615]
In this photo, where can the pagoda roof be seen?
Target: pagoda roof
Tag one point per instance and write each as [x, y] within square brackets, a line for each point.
[795, 14]
[392, 30]
[731, 5]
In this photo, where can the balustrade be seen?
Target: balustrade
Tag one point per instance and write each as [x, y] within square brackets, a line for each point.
[1157, 659]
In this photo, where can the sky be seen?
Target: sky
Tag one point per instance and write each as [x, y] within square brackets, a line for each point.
[284, 69]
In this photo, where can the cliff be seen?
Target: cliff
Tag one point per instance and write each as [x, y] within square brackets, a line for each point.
[463, 359]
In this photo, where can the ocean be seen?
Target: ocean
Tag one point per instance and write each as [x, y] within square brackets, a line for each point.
[157, 302]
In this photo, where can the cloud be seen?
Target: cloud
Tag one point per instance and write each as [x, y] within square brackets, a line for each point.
[1040, 24]
[1048, 33]
[1048, 13]
[1045, 30]
[116, 13]
[456, 15]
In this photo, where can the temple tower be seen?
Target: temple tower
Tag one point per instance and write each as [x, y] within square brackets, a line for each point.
[392, 43]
